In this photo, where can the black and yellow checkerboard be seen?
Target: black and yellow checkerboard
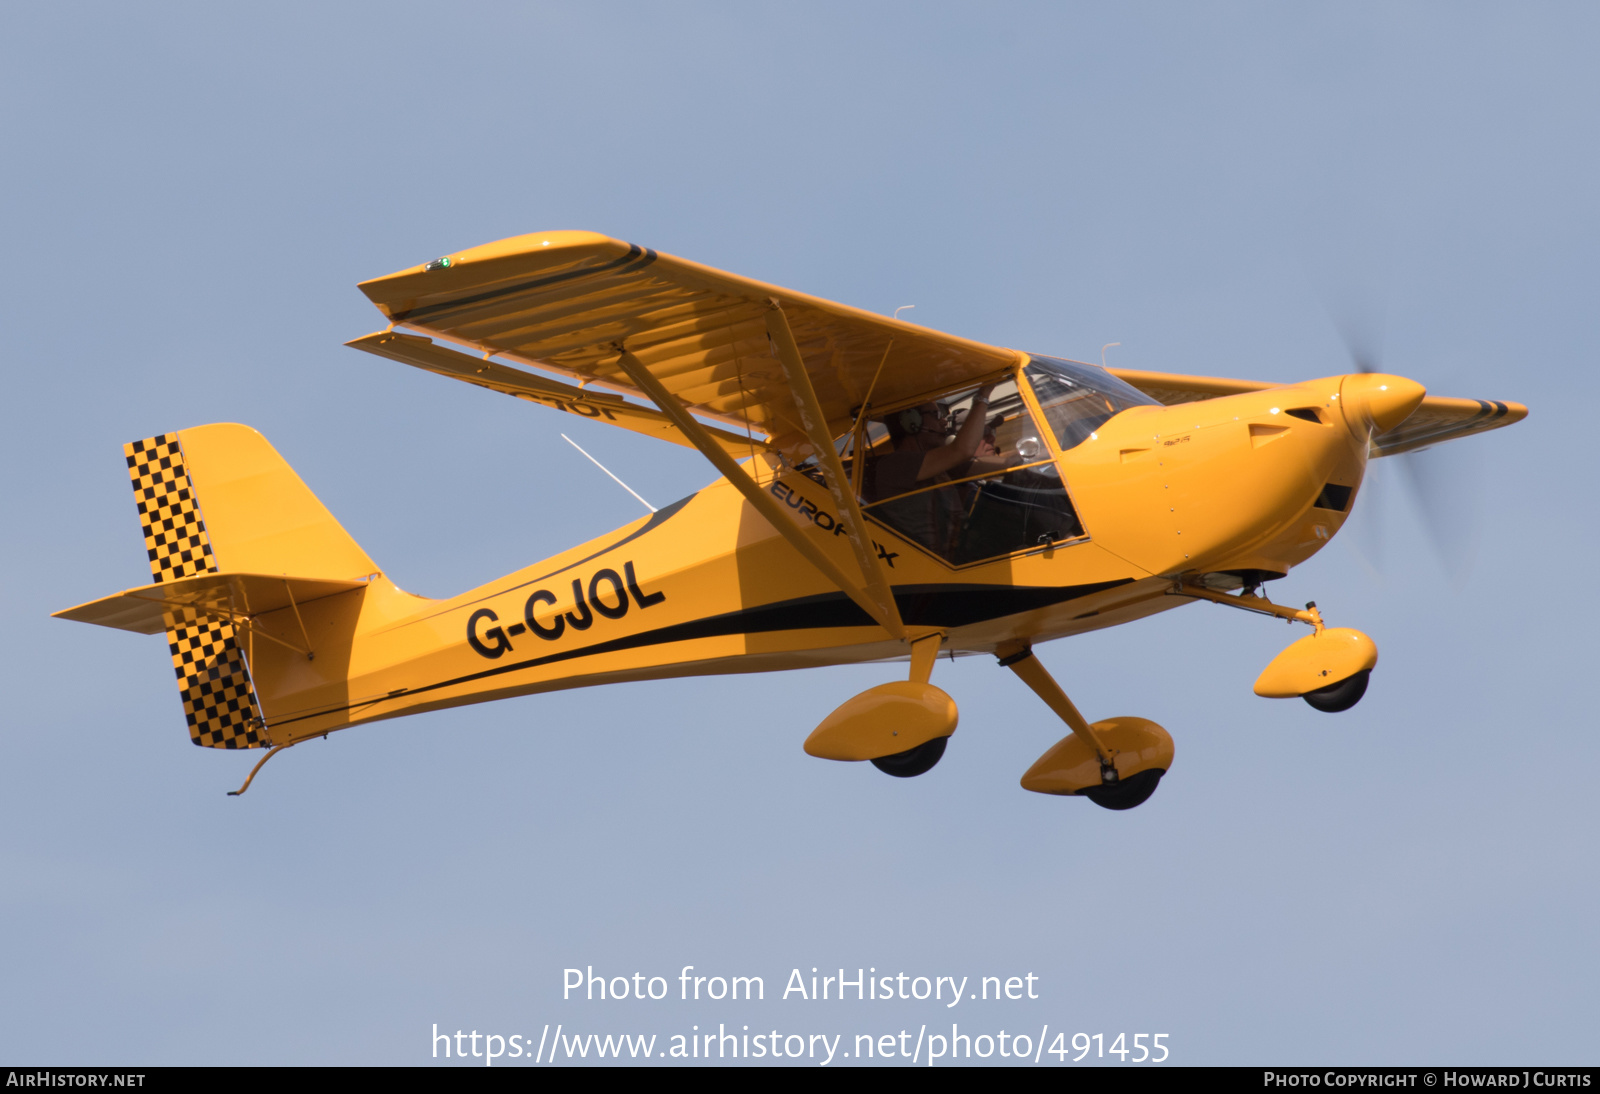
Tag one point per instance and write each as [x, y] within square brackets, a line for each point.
[213, 678]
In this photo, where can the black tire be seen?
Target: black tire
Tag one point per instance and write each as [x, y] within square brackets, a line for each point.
[1132, 791]
[913, 761]
[1341, 696]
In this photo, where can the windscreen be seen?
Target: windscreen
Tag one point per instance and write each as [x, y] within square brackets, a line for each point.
[1078, 399]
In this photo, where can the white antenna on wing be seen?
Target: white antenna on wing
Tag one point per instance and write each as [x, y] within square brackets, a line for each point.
[614, 479]
[1103, 349]
[901, 308]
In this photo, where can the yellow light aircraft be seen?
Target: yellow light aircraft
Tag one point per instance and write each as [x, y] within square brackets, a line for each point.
[887, 492]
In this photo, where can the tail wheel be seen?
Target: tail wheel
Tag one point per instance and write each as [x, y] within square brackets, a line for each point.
[1341, 696]
[913, 761]
[1127, 793]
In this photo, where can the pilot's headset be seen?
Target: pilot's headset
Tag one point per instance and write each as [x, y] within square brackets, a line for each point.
[911, 420]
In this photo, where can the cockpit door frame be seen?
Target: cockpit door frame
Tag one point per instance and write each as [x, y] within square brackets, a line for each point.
[1057, 453]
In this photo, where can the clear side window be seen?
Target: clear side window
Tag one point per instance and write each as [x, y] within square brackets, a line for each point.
[995, 493]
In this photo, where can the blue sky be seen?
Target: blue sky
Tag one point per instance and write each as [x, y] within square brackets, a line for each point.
[191, 194]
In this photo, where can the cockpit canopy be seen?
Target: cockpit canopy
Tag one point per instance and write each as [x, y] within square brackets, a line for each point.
[1007, 496]
[1078, 399]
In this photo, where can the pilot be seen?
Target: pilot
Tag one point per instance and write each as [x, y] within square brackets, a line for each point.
[925, 454]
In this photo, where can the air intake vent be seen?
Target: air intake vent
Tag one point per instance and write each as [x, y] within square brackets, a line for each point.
[1335, 497]
[1305, 413]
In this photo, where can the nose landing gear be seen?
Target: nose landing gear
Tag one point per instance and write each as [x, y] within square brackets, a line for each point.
[1341, 696]
[1328, 668]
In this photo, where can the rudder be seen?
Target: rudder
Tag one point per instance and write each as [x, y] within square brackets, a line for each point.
[219, 700]
[219, 498]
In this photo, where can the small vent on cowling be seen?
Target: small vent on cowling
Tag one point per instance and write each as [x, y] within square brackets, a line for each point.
[1305, 413]
[1335, 497]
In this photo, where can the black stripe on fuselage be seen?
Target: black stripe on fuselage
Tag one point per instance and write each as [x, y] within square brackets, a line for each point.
[643, 256]
[657, 519]
[942, 605]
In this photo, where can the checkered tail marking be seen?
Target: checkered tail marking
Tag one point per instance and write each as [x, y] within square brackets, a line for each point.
[213, 678]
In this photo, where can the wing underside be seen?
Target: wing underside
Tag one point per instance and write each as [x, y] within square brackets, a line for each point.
[570, 303]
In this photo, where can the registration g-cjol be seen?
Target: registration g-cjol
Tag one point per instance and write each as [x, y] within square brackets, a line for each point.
[888, 493]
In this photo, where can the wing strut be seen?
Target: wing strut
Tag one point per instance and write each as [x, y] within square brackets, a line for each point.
[763, 502]
[815, 423]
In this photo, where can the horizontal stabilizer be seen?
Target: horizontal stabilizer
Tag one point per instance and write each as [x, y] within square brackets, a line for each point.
[217, 571]
[153, 609]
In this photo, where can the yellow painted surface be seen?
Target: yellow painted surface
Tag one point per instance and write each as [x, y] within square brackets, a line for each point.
[882, 721]
[261, 517]
[152, 609]
[1316, 661]
[1435, 420]
[1228, 483]
[1071, 765]
[1225, 476]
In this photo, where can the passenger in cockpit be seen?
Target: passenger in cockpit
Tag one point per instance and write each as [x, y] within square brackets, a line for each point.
[924, 454]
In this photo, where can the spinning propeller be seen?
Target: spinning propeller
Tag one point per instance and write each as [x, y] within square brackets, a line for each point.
[1445, 491]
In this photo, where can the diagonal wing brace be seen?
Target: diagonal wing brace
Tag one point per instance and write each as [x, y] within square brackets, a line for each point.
[763, 502]
[815, 424]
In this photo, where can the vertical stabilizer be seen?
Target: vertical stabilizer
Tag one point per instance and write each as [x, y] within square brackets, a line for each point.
[218, 499]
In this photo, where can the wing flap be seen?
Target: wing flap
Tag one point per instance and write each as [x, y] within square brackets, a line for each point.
[599, 406]
[154, 609]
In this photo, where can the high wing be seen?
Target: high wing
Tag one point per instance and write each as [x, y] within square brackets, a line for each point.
[786, 371]
[571, 302]
[1438, 419]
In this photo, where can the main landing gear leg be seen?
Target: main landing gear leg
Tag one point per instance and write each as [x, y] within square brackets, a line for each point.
[901, 727]
[921, 759]
[1115, 763]
[1037, 677]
